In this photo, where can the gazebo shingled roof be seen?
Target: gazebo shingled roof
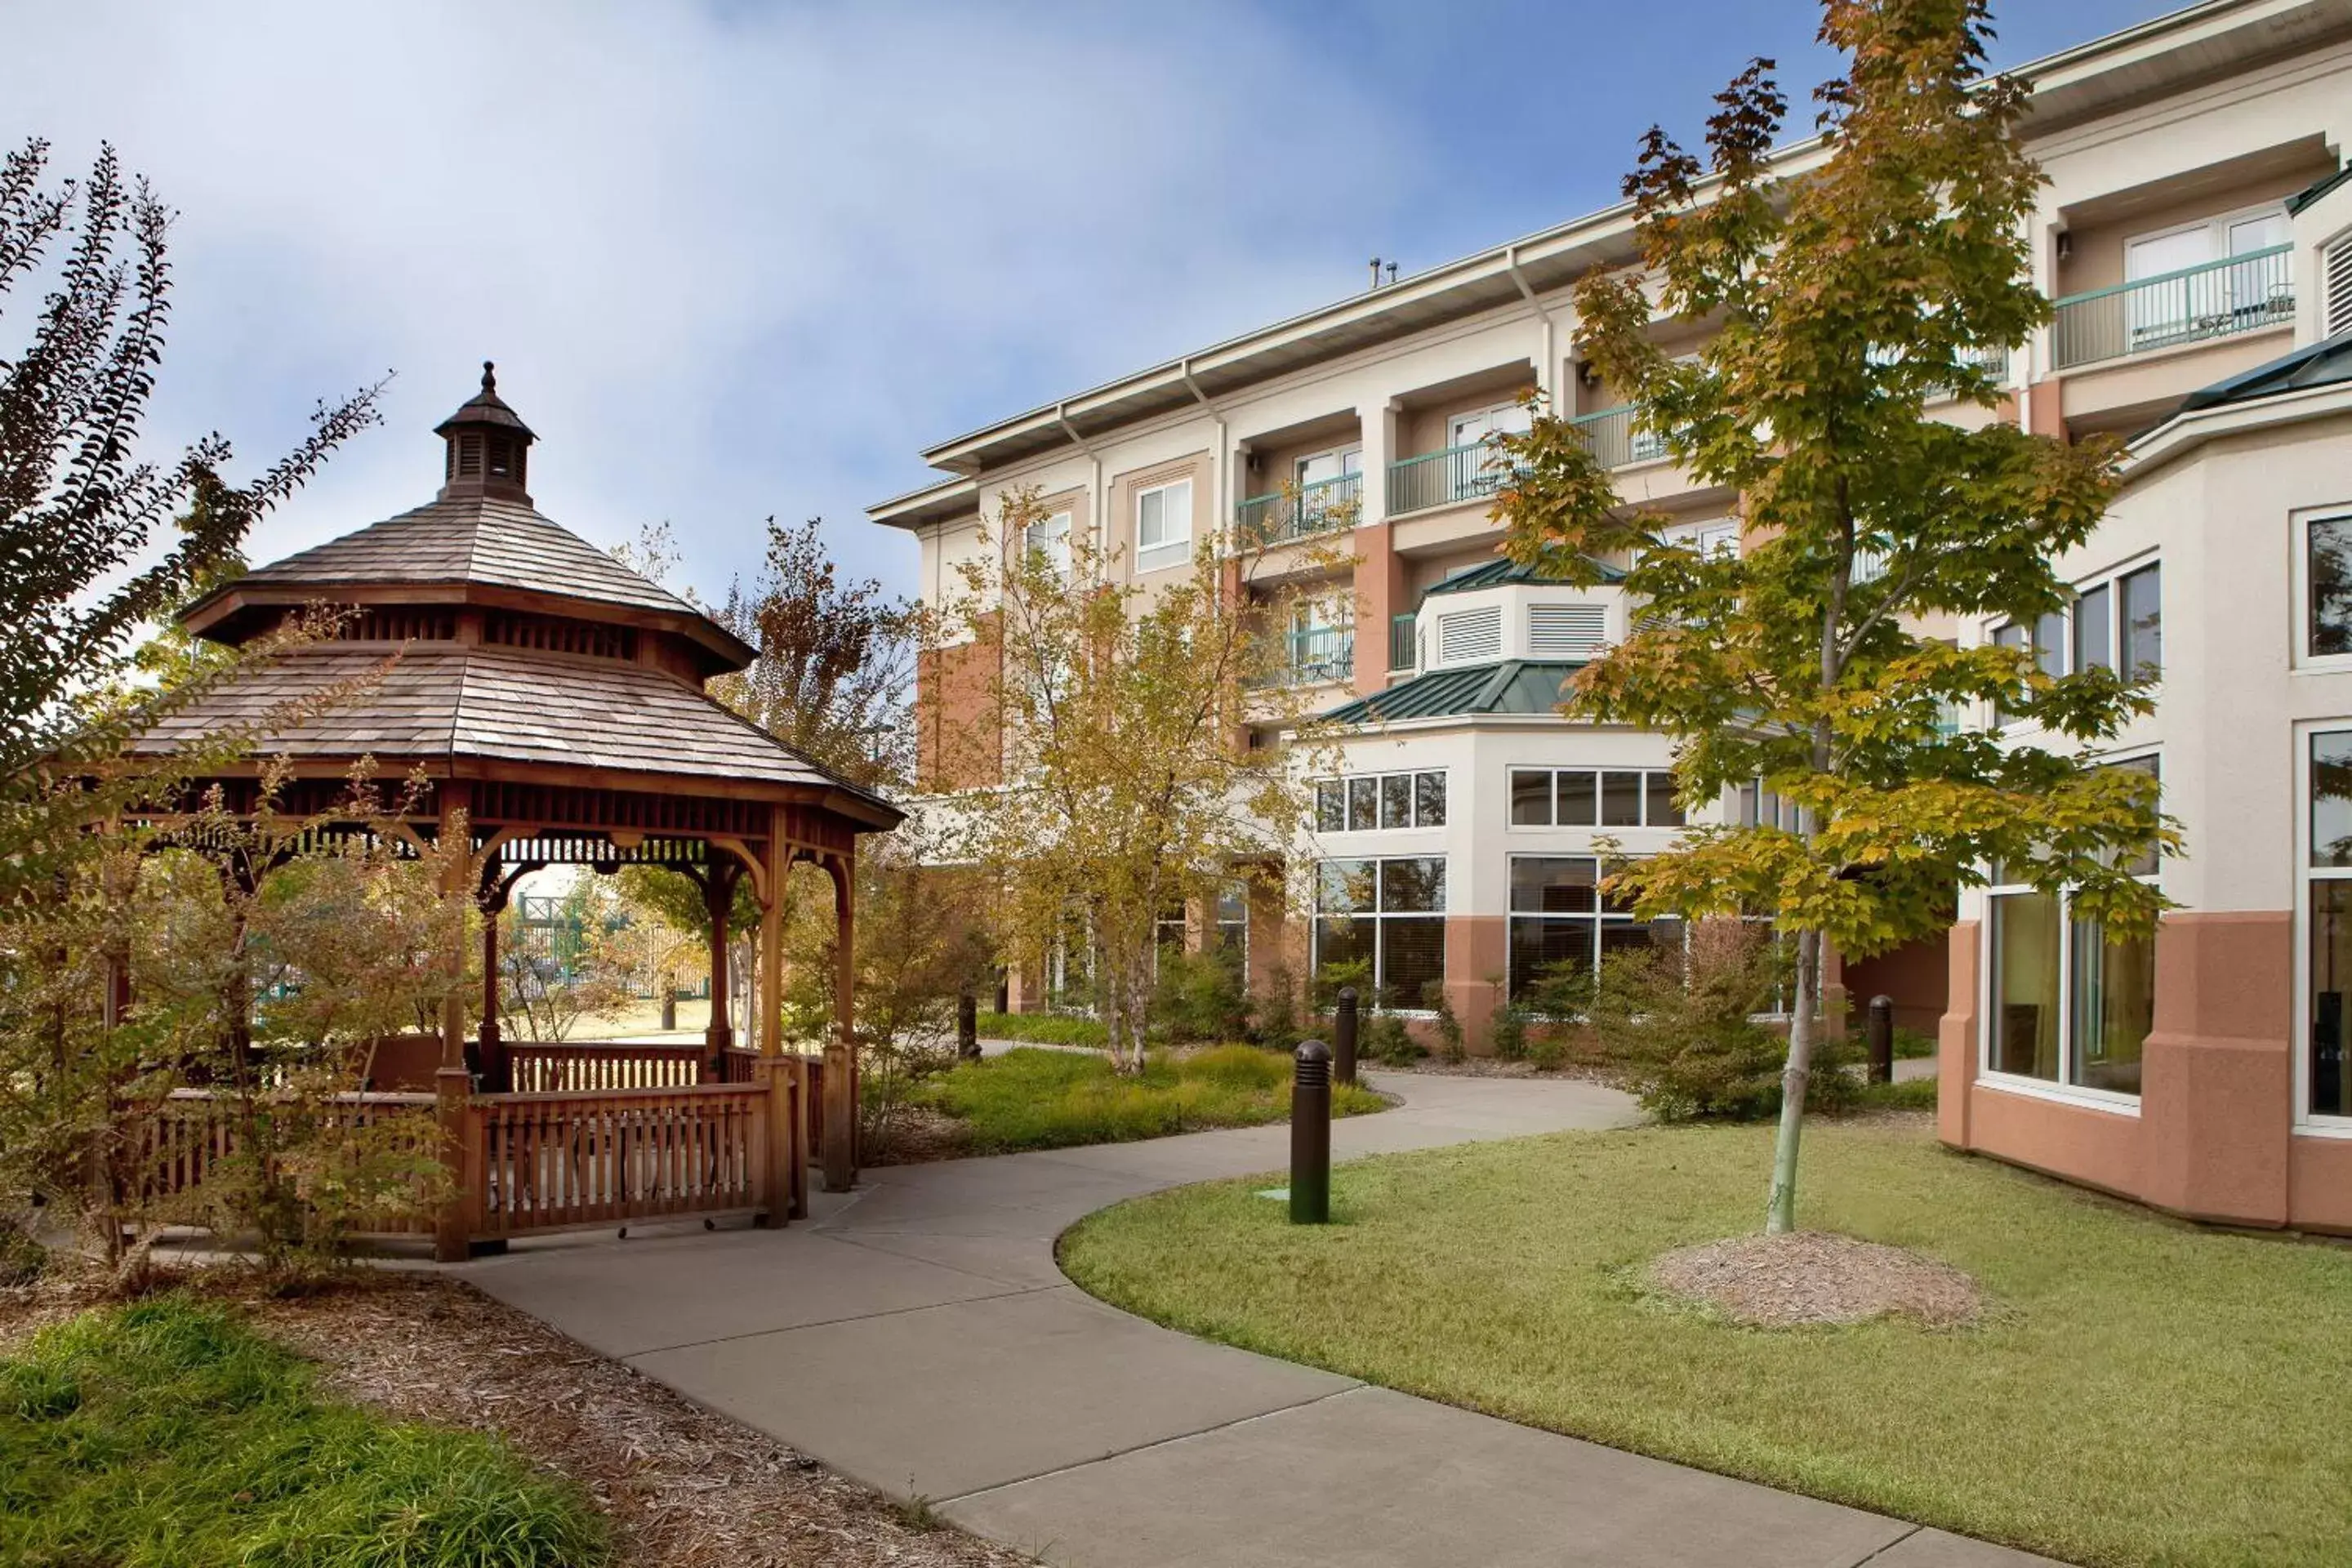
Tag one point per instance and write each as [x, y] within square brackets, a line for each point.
[552, 701]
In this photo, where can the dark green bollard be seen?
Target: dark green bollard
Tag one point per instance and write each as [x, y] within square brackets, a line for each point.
[1310, 1135]
[967, 1027]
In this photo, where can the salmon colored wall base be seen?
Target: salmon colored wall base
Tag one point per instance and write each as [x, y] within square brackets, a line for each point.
[2214, 1137]
[1915, 976]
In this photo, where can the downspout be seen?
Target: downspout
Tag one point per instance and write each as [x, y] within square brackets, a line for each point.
[1220, 480]
[1547, 366]
[1097, 517]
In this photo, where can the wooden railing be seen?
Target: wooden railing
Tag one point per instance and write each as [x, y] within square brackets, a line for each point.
[538, 1163]
[176, 1144]
[577, 1066]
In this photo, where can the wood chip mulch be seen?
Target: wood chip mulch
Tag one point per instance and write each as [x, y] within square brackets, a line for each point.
[683, 1487]
[1810, 1276]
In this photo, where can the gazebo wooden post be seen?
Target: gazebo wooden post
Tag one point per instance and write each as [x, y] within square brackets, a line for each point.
[453, 1086]
[719, 901]
[784, 1158]
[840, 1051]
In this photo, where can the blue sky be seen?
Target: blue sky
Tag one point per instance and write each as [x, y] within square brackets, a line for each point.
[741, 259]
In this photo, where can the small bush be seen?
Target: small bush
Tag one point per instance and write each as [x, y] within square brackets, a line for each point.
[1547, 1051]
[1044, 1028]
[1057, 1099]
[1451, 1046]
[1198, 996]
[1383, 1038]
[23, 1258]
[1907, 1094]
[1508, 1035]
[1910, 1044]
[1681, 1025]
[1274, 1010]
[168, 1432]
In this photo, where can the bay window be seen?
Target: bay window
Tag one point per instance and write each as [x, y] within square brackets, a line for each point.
[1560, 916]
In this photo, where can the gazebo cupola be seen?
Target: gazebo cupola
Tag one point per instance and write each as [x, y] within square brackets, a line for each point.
[489, 447]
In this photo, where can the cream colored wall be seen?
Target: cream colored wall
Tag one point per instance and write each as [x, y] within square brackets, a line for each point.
[2223, 524]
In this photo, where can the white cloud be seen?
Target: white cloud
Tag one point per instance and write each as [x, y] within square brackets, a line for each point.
[731, 261]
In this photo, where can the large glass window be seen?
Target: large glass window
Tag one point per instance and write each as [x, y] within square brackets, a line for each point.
[1587, 797]
[2328, 1077]
[2117, 625]
[2070, 1003]
[1390, 915]
[2327, 570]
[1558, 915]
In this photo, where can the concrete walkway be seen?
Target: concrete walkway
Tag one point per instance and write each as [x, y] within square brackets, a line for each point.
[917, 1335]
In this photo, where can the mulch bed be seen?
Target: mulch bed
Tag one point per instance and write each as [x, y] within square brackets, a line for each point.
[1810, 1276]
[684, 1487]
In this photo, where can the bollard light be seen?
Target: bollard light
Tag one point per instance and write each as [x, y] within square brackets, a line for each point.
[1310, 1135]
[1882, 1039]
[1343, 1036]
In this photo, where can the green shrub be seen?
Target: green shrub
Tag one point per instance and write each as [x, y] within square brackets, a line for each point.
[1383, 1038]
[167, 1432]
[1910, 1044]
[1044, 1028]
[1681, 1024]
[1451, 1046]
[23, 1258]
[1547, 1050]
[1334, 977]
[1509, 1034]
[1905, 1094]
[1056, 1100]
[1198, 996]
[1273, 1011]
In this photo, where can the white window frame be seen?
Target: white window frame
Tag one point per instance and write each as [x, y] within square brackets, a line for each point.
[1378, 980]
[1050, 536]
[2218, 227]
[1171, 550]
[1716, 538]
[2056, 1089]
[2300, 657]
[1444, 776]
[1600, 916]
[2308, 1122]
[2112, 579]
[1552, 771]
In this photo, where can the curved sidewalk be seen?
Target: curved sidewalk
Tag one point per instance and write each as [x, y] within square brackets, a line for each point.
[917, 1335]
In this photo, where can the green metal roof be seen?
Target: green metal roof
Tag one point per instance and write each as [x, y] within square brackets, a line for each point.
[1501, 570]
[1514, 686]
[2315, 364]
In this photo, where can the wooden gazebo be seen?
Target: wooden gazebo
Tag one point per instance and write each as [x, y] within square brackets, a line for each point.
[553, 699]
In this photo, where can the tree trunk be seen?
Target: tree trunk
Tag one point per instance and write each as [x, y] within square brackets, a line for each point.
[1781, 1212]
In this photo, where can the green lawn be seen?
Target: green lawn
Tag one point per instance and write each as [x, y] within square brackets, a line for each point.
[1055, 1100]
[2141, 1392]
[167, 1435]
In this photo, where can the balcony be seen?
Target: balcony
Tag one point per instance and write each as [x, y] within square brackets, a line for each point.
[1317, 507]
[1615, 441]
[2196, 304]
[1442, 479]
[1315, 656]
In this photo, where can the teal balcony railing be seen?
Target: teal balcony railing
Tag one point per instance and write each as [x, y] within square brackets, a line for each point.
[2217, 300]
[1317, 655]
[1404, 647]
[1614, 440]
[1441, 478]
[1316, 509]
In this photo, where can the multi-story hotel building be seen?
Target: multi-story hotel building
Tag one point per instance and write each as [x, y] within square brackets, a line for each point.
[2192, 236]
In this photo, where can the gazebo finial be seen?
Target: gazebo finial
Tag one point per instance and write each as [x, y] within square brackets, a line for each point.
[489, 377]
